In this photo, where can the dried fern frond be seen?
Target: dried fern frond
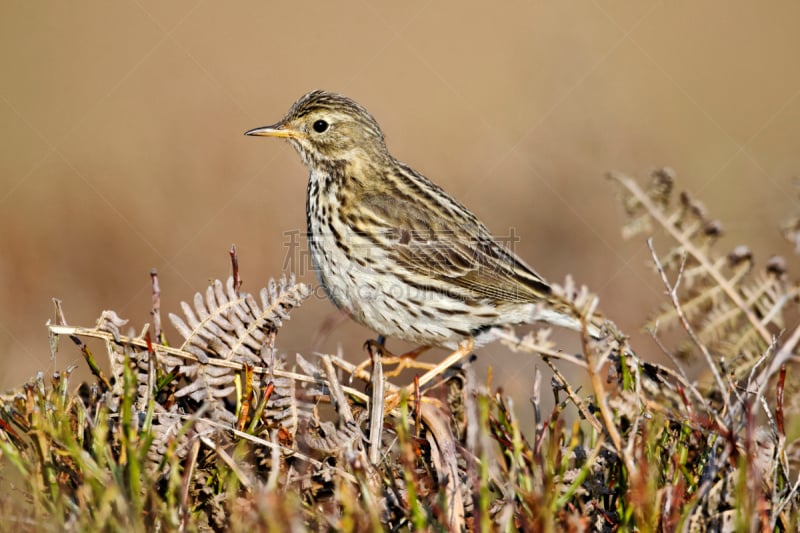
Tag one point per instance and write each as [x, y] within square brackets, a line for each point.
[733, 307]
[226, 362]
[234, 326]
[137, 359]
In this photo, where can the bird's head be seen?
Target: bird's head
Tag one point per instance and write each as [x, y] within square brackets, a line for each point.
[328, 126]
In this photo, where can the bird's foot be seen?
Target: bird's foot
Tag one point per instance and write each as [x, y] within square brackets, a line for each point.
[377, 348]
[464, 350]
[413, 390]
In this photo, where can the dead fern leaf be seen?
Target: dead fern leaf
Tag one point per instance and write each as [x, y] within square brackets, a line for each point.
[734, 308]
[233, 326]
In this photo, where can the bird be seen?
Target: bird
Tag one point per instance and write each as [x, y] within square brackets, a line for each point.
[394, 250]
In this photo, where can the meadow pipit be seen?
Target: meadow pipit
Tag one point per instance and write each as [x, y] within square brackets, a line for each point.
[394, 250]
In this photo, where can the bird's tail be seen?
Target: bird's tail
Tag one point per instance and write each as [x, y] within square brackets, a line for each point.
[572, 309]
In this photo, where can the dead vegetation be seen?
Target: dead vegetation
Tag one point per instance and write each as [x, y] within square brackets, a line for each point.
[220, 432]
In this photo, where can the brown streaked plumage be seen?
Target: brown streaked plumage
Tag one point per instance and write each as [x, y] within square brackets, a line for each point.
[392, 248]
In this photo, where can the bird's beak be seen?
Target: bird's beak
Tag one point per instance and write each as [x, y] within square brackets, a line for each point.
[276, 130]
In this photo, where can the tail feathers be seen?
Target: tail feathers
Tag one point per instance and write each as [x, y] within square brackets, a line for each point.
[567, 315]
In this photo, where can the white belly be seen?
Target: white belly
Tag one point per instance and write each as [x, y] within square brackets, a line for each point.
[359, 281]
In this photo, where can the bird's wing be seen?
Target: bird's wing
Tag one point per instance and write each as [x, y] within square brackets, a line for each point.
[438, 242]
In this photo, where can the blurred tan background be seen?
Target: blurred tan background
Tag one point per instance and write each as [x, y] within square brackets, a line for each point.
[121, 125]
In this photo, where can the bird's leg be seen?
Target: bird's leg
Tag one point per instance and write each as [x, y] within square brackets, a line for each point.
[464, 349]
[375, 348]
[404, 361]
[407, 360]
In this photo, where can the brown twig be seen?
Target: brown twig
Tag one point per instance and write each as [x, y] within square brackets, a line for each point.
[576, 400]
[376, 406]
[437, 424]
[700, 256]
[786, 351]
[337, 393]
[61, 320]
[156, 306]
[237, 281]
[779, 408]
[672, 291]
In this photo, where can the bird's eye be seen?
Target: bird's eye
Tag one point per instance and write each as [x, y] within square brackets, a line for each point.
[320, 126]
